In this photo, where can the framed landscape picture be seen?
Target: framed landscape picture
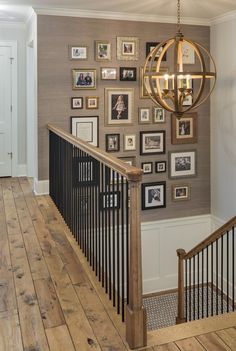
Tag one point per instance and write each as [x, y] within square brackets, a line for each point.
[85, 128]
[151, 46]
[182, 164]
[180, 192]
[76, 103]
[127, 48]
[102, 50]
[128, 74]
[83, 78]
[108, 73]
[119, 106]
[112, 142]
[153, 195]
[184, 130]
[78, 52]
[152, 142]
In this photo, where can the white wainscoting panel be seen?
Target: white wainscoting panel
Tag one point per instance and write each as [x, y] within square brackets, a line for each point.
[41, 187]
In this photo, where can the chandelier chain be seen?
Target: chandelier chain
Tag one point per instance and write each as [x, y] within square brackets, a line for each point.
[178, 15]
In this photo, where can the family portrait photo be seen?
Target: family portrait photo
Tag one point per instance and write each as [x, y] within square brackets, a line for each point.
[84, 79]
[128, 73]
[158, 115]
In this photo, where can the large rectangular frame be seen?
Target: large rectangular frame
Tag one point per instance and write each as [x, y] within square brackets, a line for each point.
[125, 106]
[87, 124]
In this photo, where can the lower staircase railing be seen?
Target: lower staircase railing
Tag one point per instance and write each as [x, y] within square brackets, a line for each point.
[206, 280]
[98, 196]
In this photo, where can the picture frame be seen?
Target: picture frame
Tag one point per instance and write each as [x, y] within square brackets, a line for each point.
[182, 164]
[152, 142]
[119, 106]
[158, 115]
[128, 74]
[92, 102]
[144, 115]
[184, 130]
[102, 50]
[188, 54]
[143, 90]
[147, 167]
[127, 48]
[160, 166]
[76, 103]
[86, 128]
[112, 142]
[78, 52]
[180, 192]
[151, 46]
[153, 195]
[108, 73]
[109, 200]
[130, 142]
[83, 78]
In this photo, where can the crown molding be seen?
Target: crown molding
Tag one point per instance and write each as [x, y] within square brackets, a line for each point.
[223, 18]
[118, 16]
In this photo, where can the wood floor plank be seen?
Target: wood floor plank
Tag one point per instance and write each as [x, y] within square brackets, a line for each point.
[190, 344]
[229, 337]
[166, 347]
[48, 302]
[59, 339]
[10, 334]
[33, 333]
[212, 342]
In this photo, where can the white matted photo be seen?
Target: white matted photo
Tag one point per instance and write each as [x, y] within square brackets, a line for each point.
[182, 164]
[152, 142]
[102, 50]
[76, 103]
[108, 73]
[119, 106]
[127, 48]
[79, 52]
[188, 54]
[160, 166]
[85, 128]
[153, 195]
[180, 192]
[147, 167]
[144, 115]
[158, 115]
[130, 142]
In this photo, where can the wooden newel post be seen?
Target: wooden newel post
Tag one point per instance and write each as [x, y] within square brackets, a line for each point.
[181, 316]
[136, 326]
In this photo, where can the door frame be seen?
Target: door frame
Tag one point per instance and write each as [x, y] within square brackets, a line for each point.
[14, 101]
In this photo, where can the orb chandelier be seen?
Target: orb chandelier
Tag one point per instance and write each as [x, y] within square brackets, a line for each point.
[180, 89]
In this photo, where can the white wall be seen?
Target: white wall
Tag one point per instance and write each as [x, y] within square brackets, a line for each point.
[223, 121]
[17, 32]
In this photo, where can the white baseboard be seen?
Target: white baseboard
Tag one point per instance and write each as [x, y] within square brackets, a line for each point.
[22, 170]
[41, 187]
[216, 222]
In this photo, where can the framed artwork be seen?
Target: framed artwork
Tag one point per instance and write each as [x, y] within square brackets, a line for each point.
[128, 74]
[188, 54]
[130, 142]
[92, 102]
[78, 52]
[182, 164]
[184, 130]
[151, 46]
[180, 192]
[144, 115]
[85, 128]
[108, 73]
[112, 142]
[147, 167]
[119, 106]
[102, 50]
[160, 166]
[127, 48]
[131, 160]
[158, 115]
[83, 78]
[109, 201]
[152, 142]
[76, 103]
[153, 195]
[143, 89]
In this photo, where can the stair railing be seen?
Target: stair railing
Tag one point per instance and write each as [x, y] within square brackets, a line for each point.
[206, 276]
[98, 196]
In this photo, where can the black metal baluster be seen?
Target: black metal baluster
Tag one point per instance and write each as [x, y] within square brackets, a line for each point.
[109, 232]
[190, 291]
[100, 200]
[113, 243]
[194, 287]
[222, 273]
[122, 251]
[212, 278]
[207, 278]
[202, 283]
[103, 205]
[186, 290]
[118, 243]
[127, 240]
[107, 209]
[217, 278]
[198, 286]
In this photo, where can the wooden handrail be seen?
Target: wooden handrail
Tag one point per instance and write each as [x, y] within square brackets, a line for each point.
[130, 172]
[210, 239]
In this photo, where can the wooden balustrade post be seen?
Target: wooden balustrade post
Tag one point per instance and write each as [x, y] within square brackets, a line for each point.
[136, 326]
[181, 316]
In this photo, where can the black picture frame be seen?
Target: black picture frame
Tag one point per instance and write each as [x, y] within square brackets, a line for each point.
[115, 147]
[143, 164]
[150, 46]
[153, 195]
[158, 163]
[128, 74]
[79, 107]
[153, 138]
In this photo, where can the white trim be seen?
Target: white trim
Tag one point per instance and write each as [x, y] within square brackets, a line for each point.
[14, 127]
[22, 171]
[223, 18]
[118, 16]
[41, 187]
[8, 24]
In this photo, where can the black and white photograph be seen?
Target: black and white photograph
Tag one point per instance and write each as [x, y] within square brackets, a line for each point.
[108, 73]
[119, 106]
[76, 103]
[158, 115]
[109, 201]
[130, 142]
[184, 130]
[128, 74]
[153, 195]
[160, 166]
[151, 46]
[152, 142]
[102, 50]
[112, 142]
[180, 192]
[84, 79]
[78, 52]
[144, 115]
[92, 102]
[182, 164]
[147, 167]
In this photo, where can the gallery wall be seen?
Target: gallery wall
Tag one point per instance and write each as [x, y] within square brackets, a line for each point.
[55, 34]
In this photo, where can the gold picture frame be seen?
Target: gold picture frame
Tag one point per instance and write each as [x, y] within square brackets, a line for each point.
[102, 50]
[184, 130]
[127, 48]
[83, 78]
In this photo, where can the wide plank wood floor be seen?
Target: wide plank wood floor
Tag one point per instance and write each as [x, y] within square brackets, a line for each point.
[48, 297]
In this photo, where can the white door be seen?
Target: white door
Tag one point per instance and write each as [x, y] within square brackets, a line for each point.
[5, 112]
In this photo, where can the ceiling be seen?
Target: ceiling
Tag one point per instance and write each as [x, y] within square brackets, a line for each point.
[18, 10]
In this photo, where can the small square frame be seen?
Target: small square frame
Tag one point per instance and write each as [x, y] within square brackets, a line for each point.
[153, 195]
[160, 166]
[147, 167]
[76, 103]
[112, 142]
[92, 102]
[127, 48]
[180, 192]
